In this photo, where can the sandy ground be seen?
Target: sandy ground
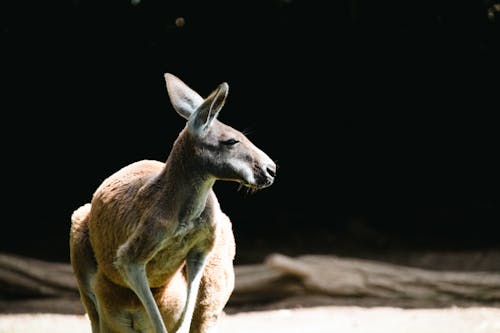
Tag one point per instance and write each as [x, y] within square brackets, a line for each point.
[331, 319]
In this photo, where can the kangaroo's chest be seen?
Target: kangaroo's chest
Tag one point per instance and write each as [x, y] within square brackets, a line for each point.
[199, 235]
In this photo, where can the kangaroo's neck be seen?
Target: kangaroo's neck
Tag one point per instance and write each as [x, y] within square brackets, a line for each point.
[183, 186]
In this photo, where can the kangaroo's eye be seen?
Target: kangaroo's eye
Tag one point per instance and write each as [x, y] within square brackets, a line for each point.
[229, 142]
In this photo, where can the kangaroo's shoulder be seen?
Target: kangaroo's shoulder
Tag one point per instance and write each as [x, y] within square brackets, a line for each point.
[129, 179]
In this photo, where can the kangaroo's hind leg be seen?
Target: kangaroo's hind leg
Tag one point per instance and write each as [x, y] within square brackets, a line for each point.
[83, 262]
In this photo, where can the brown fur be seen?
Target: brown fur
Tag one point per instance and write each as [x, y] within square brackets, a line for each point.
[151, 217]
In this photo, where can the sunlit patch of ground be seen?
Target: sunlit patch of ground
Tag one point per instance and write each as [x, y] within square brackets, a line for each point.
[43, 323]
[331, 319]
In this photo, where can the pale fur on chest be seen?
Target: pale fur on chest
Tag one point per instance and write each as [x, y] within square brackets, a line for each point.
[200, 233]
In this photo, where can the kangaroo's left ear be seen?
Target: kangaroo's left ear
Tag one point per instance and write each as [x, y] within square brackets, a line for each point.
[184, 99]
[203, 117]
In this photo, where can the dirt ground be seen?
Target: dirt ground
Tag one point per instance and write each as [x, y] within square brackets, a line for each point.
[304, 315]
[331, 319]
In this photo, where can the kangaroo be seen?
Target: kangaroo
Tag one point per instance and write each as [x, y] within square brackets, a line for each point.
[153, 251]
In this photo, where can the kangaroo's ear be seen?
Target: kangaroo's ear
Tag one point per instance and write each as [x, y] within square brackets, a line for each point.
[184, 99]
[209, 109]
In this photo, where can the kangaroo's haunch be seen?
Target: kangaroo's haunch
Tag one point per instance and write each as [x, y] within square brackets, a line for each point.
[152, 251]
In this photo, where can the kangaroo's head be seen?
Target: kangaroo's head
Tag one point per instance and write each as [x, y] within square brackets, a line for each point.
[224, 152]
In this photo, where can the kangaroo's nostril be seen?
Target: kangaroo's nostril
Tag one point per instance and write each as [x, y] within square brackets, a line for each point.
[271, 171]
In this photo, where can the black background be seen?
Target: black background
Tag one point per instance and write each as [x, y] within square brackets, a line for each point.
[382, 116]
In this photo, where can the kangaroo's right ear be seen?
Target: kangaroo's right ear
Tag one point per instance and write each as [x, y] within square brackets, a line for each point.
[208, 110]
[184, 99]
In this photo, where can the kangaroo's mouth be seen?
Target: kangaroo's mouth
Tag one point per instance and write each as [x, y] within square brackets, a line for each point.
[252, 187]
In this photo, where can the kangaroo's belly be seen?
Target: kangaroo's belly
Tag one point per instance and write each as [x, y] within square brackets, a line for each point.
[121, 310]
